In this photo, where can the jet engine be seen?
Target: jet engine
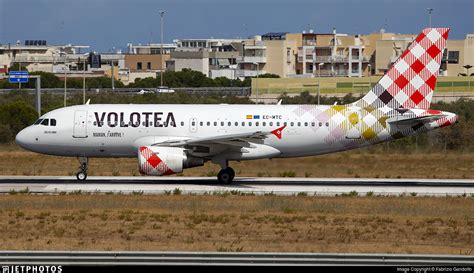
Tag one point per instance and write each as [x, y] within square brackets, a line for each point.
[157, 161]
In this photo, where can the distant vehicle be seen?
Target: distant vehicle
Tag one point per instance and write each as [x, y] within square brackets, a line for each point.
[143, 91]
[164, 89]
[168, 138]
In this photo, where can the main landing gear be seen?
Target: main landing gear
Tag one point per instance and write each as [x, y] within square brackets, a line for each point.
[226, 176]
[82, 173]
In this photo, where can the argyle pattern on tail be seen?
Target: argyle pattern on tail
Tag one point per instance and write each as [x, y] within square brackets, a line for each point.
[410, 82]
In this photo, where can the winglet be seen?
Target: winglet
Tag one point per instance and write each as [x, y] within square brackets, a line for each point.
[277, 132]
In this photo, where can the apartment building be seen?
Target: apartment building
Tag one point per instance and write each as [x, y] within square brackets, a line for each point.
[39, 56]
[331, 54]
[252, 58]
[459, 53]
[144, 61]
[212, 57]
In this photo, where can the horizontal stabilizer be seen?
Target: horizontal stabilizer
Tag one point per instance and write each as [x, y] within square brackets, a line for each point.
[413, 121]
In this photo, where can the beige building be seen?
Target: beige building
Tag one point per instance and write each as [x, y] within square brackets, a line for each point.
[273, 53]
[212, 57]
[331, 54]
[39, 56]
[145, 62]
[459, 54]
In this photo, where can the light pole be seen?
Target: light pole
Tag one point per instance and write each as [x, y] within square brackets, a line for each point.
[161, 12]
[65, 77]
[256, 83]
[319, 80]
[84, 79]
[430, 10]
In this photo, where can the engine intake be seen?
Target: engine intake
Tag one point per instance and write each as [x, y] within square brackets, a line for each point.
[158, 161]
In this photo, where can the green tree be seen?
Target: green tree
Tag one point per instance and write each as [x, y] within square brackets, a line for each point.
[17, 115]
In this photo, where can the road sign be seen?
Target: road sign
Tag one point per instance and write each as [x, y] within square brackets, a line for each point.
[18, 76]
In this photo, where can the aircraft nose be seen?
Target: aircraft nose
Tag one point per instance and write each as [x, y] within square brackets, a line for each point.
[23, 139]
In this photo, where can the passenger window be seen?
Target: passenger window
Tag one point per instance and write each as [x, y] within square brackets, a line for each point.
[299, 124]
[215, 123]
[256, 123]
[292, 124]
[264, 123]
[200, 123]
[271, 123]
[193, 123]
[38, 121]
[327, 124]
[45, 122]
[229, 123]
[222, 123]
[284, 123]
[243, 123]
[313, 124]
[320, 124]
[306, 124]
[236, 124]
[53, 122]
[250, 123]
[208, 123]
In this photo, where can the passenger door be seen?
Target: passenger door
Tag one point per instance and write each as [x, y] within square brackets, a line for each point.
[80, 124]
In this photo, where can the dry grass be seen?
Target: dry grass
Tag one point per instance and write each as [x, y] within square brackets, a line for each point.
[238, 223]
[358, 163]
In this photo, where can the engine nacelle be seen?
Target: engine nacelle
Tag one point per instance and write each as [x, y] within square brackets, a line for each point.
[157, 161]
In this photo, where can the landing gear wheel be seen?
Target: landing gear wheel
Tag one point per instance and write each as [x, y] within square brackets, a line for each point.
[81, 176]
[232, 173]
[225, 176]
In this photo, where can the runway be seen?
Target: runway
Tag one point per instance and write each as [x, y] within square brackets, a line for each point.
[134, 258]
[241, 185]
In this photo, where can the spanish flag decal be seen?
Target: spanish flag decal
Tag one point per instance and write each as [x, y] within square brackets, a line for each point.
[249, 116]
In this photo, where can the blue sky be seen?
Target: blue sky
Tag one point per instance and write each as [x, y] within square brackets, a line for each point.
[104, 24]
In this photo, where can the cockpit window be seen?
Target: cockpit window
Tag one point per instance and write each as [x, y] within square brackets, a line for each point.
[53, 122]
[38, 121]
[45, 122]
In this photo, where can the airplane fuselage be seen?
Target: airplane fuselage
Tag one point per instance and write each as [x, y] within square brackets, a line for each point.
[119, 130]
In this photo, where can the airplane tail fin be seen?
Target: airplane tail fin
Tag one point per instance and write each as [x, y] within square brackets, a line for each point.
[410, 82]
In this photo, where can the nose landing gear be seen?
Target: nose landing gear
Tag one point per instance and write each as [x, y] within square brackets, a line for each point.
[81, 175]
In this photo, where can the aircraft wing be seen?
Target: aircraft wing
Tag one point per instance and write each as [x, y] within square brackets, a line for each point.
[414, 120]
[241, 139]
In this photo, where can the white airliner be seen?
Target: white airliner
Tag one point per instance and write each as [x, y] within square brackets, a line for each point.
[169, 138]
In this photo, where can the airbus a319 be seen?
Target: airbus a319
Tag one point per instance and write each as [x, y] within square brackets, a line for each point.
[169, 138]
